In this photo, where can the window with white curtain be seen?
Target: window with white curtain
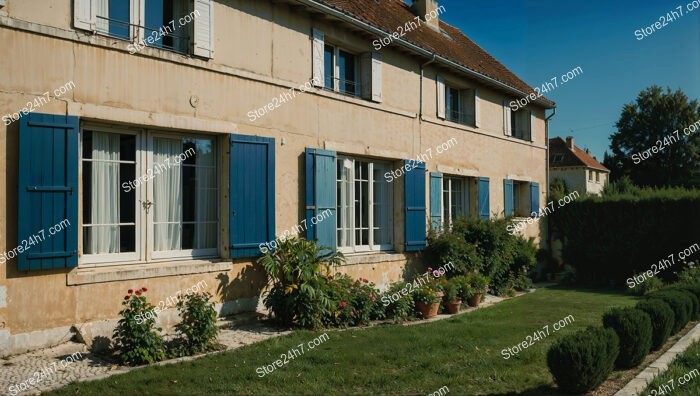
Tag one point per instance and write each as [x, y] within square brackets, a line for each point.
[364, 206]
[148, 196]
[455, 199]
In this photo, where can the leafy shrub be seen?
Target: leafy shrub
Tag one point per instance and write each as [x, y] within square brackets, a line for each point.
[662, 319]
[691, 287]
[689, 275]
[648, 286]
[399, 304]
[197, 330]
[298, 270]
[633, 328]
[581, 361]
[451, 290]
[486, 247]
[680, 304]
[354, 302]
[136, 338]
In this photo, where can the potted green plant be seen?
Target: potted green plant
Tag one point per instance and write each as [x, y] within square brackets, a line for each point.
[478, 286]
[451, 299]
[427, 300]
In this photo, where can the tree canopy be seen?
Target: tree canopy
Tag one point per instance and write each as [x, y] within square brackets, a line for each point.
[652, 145]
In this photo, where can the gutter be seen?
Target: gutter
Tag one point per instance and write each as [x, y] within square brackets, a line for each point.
[365, 26]
[550, 237]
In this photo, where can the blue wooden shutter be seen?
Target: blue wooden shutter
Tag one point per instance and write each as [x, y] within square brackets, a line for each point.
[321, 196]
[435, 195]
[414, 184]
[252, 194]
[535, 199]
[484, 197]
[48, 191]
[508, 197]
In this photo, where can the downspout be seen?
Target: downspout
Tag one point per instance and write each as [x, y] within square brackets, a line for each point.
[550, 240]
[422, 70]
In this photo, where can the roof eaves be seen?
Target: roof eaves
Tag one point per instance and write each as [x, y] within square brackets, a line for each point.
[327, 9]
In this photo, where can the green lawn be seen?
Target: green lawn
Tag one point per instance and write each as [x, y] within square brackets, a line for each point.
[462, 353]
[682, 377]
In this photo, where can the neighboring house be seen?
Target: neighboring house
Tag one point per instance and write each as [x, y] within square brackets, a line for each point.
[171, 164]
[579, 170]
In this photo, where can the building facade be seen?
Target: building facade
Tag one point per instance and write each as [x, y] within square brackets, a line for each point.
[168, 145]
[576, 167]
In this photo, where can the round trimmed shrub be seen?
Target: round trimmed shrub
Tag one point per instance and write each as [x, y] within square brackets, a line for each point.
[633, 328]
[662, 319]
[581, 361]
[681, 305]
[690, 292]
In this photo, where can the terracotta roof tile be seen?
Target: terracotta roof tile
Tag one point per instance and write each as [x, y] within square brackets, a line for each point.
[451, 43]
[575, 157]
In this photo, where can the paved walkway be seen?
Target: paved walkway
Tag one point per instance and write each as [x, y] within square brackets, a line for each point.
[53, 368]
[56, 367]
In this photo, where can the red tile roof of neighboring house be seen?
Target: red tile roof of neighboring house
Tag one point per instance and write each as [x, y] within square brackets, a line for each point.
[452, 44]
[575, 157]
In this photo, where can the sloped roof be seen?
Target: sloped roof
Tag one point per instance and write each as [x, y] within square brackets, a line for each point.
[575, 157]
[451, 43]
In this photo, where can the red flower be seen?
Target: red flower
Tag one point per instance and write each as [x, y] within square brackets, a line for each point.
[126, 297]
[144, 289]
[138, 292]
[130, 291]
[343, 303]
[365, 280]
[373, 299]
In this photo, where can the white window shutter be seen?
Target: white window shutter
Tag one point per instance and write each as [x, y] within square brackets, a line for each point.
[376, 77]
[507, 119]
[318, 58]
[84, 14]
[440, 97]
[203, 42]
[532, 126]
[477, 108]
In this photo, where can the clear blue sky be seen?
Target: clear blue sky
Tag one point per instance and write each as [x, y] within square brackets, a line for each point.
[542, 39]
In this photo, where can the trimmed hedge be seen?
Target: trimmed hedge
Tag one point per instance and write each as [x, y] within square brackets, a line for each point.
[608, 239]
[581, 361]
[662, 319]
[680, 304]
[633, 327]
[690, 292]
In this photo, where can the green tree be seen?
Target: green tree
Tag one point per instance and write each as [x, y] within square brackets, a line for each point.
[651, 121]
[557, 189]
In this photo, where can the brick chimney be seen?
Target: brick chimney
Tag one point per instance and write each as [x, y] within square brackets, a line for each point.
[570, 142]
[428, 11]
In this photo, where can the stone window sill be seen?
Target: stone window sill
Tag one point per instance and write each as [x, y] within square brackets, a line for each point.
[116, 273]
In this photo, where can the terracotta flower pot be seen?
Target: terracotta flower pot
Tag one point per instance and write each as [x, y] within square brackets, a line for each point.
[475, 300]
[453, 307]
[428, 310]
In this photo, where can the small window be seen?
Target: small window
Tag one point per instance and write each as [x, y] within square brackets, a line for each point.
[164, 22]
[341, 71]
[364, 205]
[558, 157]
[461, 105]
[597, 177]
[520, 124]
[590, 175]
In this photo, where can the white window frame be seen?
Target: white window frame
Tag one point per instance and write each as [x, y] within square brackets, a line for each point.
[335, 79]
[139, 217]
[144, 232]
[447, 206]
[183, 253]
[354, 248]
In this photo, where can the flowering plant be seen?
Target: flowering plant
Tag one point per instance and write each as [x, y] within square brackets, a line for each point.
[136, 338]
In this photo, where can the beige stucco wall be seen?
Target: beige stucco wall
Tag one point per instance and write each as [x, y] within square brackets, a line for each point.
[577, 178]
[261, 50]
